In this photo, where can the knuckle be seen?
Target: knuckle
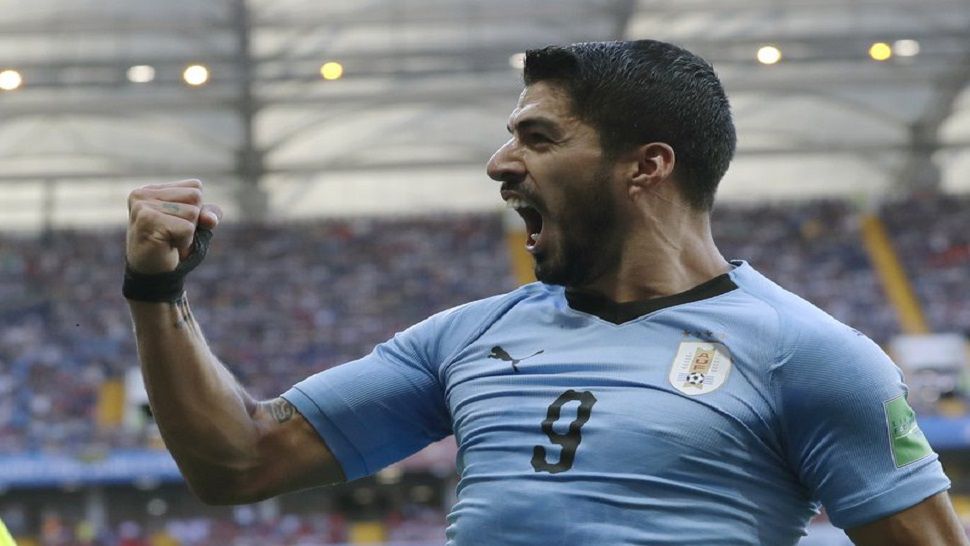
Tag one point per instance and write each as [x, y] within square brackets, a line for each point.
[136, 194]
[142, 217]
[195, 195]
[135, 208]
[192, 213]
[182, 232]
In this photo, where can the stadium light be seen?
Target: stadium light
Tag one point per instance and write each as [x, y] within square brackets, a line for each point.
[332, 70]
[196, 75]
[10, 80]
[906, 48]
[880, 51]
[769, 54]
[141, 73]
[517, 61]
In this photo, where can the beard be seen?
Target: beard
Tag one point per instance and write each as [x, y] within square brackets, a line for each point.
[588, 244]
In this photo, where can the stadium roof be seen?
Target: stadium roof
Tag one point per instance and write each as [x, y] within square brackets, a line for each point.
[426, 89]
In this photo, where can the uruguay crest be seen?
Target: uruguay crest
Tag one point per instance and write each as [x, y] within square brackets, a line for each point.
[700, 367]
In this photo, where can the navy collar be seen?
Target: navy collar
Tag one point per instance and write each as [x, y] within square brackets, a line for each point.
[618, 313]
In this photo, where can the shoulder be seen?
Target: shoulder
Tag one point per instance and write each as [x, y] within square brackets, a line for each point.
[480, 313]
[815, 359]
[492, 304]
[445, 333]
[801, 332]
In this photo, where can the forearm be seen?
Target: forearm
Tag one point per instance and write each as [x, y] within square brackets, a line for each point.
[205, 417]
[230, 449]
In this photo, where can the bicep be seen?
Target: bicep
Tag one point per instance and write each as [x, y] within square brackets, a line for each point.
[290, 455]
[377, 410]
[932, 522]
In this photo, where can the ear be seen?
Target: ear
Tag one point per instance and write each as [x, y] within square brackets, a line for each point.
[654, 164]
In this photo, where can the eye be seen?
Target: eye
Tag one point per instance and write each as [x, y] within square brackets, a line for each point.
[537, 138]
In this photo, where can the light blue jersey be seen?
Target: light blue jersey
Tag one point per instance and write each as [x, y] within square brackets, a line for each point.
[721, 415]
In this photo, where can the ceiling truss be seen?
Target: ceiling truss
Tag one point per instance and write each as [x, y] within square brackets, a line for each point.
[264, 58]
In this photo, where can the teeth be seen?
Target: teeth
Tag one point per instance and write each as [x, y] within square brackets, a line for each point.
[534, 237]
[516, 203]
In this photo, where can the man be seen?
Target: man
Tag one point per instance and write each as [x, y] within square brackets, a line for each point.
[646, 391]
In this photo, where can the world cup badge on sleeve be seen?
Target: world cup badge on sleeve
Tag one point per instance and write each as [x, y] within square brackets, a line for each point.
[700, 367]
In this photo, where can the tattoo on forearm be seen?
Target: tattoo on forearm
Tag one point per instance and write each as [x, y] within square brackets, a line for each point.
[281, 410]
[184, 318]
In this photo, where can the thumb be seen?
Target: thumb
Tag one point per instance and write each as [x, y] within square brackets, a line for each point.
[210, 216]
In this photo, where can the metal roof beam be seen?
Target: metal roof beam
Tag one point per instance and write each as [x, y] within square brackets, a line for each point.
[623, 11]
[498, 12]
[667, 8]
[250, 165]
[485, 89]
[337, 167]
[102, 25]
[919, 171]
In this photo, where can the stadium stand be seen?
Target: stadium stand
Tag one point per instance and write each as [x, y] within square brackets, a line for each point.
[64, 327]
[168, 516]
[932, 235]
[814, 249]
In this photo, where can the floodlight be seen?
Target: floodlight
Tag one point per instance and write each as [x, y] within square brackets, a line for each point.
[141, 73]
[10, 80]
[906, 48]
[332, 70]
[517, 60]
[769, 54]
[196, 75]
[880, 51]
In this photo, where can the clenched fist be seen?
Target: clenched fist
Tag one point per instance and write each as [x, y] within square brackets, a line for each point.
[162, 219]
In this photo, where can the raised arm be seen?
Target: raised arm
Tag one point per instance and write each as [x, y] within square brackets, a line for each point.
[230, 448]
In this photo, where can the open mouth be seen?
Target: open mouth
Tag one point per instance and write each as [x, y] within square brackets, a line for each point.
[532, 218]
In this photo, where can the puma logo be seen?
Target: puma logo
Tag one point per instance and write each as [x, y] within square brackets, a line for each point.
[498, 353]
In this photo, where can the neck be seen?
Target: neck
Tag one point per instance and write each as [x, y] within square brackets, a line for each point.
[671, 254]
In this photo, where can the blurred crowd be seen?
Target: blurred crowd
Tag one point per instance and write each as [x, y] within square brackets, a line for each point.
[814, 249]
[280, 302]
[277, 303]
[415, 526]
[932, 236]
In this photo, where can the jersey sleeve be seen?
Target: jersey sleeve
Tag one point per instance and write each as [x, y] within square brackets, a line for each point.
[388, 405]
[849, 432]
[383, 407]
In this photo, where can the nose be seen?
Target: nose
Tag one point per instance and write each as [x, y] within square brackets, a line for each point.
[506, 164]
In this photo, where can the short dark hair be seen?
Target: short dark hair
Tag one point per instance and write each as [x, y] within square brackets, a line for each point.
[647, 91]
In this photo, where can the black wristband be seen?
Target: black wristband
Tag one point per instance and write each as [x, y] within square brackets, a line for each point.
[166, 287]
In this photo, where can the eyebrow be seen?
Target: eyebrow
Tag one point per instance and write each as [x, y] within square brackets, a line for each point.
[538, 122]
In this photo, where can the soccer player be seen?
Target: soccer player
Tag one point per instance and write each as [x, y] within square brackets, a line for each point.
[644, 391]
